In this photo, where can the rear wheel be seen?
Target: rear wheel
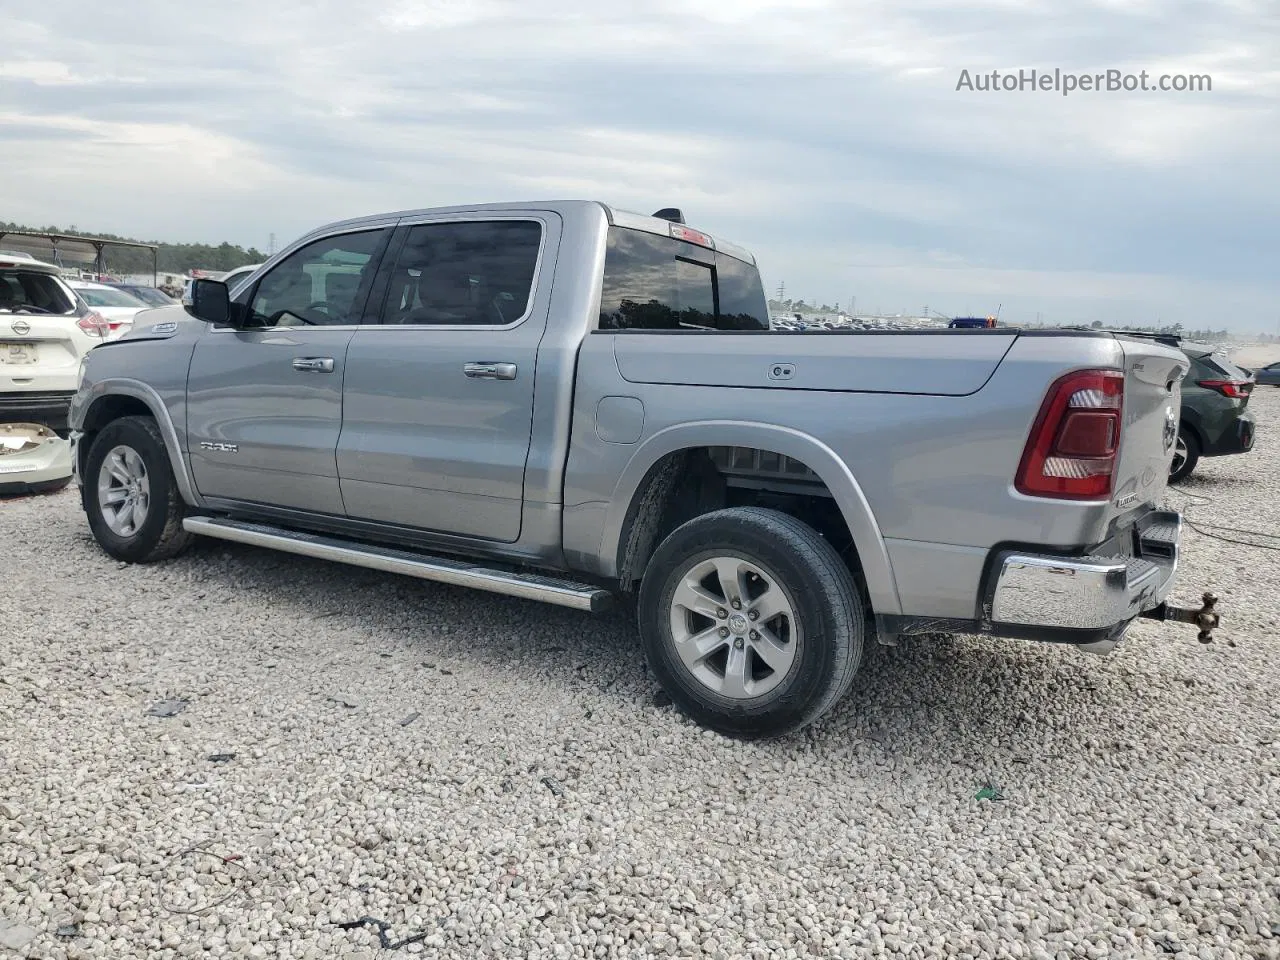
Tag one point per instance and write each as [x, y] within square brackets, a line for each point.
[1186, 454]
[751, 621]
[130, 497]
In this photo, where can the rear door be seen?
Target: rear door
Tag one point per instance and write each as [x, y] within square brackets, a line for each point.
[264, 403]
[438, 399]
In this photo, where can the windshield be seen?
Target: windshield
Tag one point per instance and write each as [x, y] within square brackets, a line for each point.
[31, 292]
[99, 297]
[151, 295]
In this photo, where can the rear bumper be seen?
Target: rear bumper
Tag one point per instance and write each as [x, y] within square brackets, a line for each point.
[49, 407]
[1237, 438]
[47, 463]
[1092, 598]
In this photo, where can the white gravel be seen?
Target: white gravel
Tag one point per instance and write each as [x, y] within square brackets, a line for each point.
[543, 803]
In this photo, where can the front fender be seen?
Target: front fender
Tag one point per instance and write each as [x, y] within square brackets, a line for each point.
[810, 451]
[90, 394]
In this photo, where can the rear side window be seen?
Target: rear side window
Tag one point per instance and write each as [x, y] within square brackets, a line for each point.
[23, 290]
[1222, 367]
[464, 273]
[660, 283]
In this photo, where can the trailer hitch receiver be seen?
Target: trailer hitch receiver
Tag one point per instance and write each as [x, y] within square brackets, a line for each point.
[1205, 617]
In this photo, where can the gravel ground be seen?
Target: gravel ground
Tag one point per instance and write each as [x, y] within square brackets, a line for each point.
[503, 779]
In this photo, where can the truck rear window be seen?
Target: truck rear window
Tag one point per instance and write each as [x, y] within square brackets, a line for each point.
[660, 283]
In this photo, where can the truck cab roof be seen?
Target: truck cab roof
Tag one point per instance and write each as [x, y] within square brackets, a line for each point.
[568, 209]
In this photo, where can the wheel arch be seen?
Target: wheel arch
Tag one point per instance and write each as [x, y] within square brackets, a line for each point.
[121, 397]
[1191, 421]
[834, 473]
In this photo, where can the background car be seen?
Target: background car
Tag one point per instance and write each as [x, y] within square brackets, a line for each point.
[1215, 421]
[33, 459]
[233, 277]
[118, 306]
[45, 330]
[148, 295]
[1269, 375]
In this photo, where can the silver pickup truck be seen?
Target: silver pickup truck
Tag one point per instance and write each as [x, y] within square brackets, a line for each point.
[574, 404]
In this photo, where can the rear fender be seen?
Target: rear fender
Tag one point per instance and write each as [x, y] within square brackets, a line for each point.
[813, 453]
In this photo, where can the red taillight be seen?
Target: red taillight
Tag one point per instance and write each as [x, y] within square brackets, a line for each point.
[94, 324]
[1071, 453]
[1235, 389]
[681, 232]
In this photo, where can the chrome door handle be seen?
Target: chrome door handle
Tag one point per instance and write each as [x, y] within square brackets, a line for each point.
[490, 371]
[317, 364]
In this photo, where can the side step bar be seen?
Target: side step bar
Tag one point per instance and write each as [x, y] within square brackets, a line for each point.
[565, 593]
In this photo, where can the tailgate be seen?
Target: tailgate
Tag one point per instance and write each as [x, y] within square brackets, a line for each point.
[31, 343]
[1152, 402]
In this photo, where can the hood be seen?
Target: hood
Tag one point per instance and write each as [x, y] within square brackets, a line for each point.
[160, 323]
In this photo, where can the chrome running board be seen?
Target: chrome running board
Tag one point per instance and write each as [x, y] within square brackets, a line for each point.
[459, 573]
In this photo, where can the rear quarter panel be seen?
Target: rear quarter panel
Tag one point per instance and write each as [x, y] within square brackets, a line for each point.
[935, 470]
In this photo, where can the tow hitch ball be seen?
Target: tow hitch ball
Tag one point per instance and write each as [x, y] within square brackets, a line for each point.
[1203, 617]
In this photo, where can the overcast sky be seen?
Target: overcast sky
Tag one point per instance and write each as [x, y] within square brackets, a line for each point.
[828, 137]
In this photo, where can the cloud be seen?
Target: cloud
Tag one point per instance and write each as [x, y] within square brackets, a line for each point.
[826, 135]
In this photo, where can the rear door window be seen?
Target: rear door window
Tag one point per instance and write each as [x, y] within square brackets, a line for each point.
[661, 283]
[469, 273]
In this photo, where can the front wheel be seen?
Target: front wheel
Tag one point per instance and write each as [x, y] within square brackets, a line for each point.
[130, 497]
[751, 621]
[1186, 454]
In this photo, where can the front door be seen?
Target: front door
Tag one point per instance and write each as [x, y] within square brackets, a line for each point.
[438, 399]
[264, 401]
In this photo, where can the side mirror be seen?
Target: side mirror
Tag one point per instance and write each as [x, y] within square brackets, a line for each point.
[209, 300]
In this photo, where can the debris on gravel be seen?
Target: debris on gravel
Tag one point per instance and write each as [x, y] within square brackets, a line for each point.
[167, 708]
[538, 810]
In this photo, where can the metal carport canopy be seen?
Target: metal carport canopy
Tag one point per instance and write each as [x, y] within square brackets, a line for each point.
[57, 244]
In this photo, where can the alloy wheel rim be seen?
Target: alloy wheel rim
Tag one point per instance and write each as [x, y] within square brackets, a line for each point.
[124, 491]
[1179, 455]
[734, 627]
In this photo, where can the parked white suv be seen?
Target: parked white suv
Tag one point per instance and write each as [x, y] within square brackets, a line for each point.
[45, 330]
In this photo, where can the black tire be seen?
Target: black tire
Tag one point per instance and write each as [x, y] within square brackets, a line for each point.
[827, 603]
[1183, 470]
[160, 535]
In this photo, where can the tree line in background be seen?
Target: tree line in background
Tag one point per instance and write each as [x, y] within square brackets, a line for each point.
[183, 257]
[170, 257]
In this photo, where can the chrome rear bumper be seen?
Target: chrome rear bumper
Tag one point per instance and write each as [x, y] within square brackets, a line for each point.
[1089, 593]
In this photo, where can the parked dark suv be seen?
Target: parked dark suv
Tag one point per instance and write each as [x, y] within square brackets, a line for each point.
[1215, 421]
